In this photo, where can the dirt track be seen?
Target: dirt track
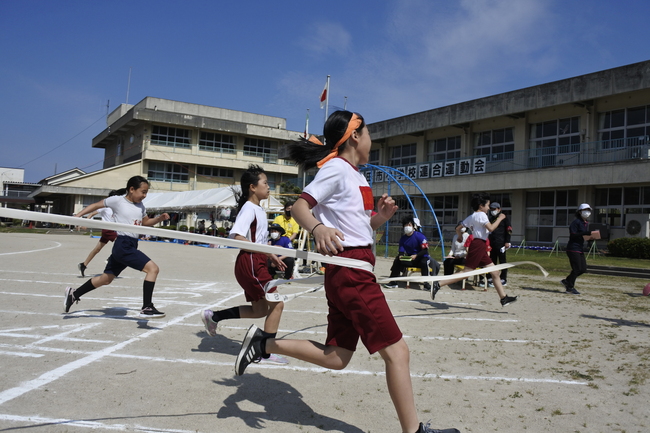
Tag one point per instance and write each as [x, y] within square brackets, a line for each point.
[548, 363]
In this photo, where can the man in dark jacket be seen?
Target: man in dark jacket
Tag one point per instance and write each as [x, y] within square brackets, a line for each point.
[499, 240]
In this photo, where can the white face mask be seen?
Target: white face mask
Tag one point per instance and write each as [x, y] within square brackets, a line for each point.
[275, 235]
[494, 212]
[408, 230]
[463, 229]
[585, 214]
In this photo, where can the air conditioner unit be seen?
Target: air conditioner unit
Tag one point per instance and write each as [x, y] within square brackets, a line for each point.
[637, 225]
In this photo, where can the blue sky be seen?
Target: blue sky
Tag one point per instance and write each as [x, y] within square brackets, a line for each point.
[62, 61]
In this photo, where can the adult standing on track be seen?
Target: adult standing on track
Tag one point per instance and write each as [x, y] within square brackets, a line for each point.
[578, 230]
[499, 240]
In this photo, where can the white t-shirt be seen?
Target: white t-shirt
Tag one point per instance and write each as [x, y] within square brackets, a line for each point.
[106, 214]
[126, 212]
[342, 199]
[476, 222]
[251, 222]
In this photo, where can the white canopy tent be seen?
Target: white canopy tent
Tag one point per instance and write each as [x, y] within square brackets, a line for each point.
[200, 200]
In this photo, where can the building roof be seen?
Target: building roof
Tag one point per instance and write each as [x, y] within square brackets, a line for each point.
[577, 90]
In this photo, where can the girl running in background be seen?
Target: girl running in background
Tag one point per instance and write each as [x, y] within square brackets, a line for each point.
[251, 267]
[106, 214]
[342, 225]
[127, 209]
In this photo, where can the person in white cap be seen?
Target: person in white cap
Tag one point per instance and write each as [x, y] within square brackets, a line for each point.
[578, 229]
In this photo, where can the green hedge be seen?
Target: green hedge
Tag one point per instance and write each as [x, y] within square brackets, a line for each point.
[633, 248]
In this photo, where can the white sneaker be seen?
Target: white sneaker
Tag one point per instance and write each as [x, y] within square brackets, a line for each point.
[274, 359]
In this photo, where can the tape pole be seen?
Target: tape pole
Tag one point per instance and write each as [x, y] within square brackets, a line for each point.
[193, 237]
[463, 275]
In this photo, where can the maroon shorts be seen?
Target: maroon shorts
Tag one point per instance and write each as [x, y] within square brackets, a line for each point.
[477, 256]
[108, 235]
[357, 306]
[251, 271]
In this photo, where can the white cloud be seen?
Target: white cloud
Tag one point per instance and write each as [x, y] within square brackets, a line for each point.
[326, 38]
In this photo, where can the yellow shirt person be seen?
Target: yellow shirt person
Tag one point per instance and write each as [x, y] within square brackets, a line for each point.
[286, 221]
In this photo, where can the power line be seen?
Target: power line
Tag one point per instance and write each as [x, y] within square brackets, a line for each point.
[103, 116]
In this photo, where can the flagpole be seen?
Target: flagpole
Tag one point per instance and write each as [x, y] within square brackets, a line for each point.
[327, 97]
[307, 125]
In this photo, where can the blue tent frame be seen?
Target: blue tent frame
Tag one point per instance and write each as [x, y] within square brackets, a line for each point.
[403, 181]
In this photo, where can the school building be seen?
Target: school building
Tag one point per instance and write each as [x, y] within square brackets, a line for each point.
[177, 146]
[538, 151]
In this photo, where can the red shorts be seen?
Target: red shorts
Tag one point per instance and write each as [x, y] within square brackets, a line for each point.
[251, 271]
[108, 235]
[357, 306]
[477, 257]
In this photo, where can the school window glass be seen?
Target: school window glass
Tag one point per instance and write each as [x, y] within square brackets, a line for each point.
[624, 128]
[496, 145]
[546, 210]
[374, 157]
[402, 155]
[265, 149]
[168, 172]
[203, 170]
[551, 141]
[613, 204]
[170, 136]
[215, 142]
[446, 209]
[443, 149]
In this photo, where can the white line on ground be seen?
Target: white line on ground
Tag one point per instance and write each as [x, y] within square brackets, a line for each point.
[59, 372]
[94, 425]
[31, 251]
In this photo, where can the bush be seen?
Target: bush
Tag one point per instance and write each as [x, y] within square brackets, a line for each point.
[633, 248]
[183, 228]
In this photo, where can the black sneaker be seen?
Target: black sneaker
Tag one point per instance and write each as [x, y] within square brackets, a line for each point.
[507, 300]
[426, 287]
[426, 428]
[391, 286]
[150, 312]
[504, 283]
[82, 268]
[69, 298]
[251, 350]
[572, 291]
[565, 283]
[434, 290]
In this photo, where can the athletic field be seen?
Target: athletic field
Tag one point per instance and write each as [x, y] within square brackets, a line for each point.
[550, 362]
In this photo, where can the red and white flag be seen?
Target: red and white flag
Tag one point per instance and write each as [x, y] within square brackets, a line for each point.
[323, 95]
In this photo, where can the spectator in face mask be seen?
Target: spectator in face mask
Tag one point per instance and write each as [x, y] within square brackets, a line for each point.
[413, 253]
[458, 249]
[278, 239]
[286, 221]
[499, 240]
[578, 233]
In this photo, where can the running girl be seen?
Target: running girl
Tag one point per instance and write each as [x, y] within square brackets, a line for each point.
[251, 267]
[477, 256]
[342, 225]
[127, 209]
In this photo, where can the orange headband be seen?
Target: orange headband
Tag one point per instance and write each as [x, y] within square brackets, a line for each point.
[353, 125]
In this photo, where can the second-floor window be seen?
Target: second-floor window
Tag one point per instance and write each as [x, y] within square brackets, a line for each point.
[558, 136]
[216, 142]
[266, 149]
[627, 127]
[402, 155]
[169, 136]
[496, 145]
[442, 149]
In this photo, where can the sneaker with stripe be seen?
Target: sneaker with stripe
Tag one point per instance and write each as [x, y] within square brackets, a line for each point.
[150, 312]
[251, 350]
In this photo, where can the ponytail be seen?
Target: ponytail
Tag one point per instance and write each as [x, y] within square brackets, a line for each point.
[307, 153]
[248, 178]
